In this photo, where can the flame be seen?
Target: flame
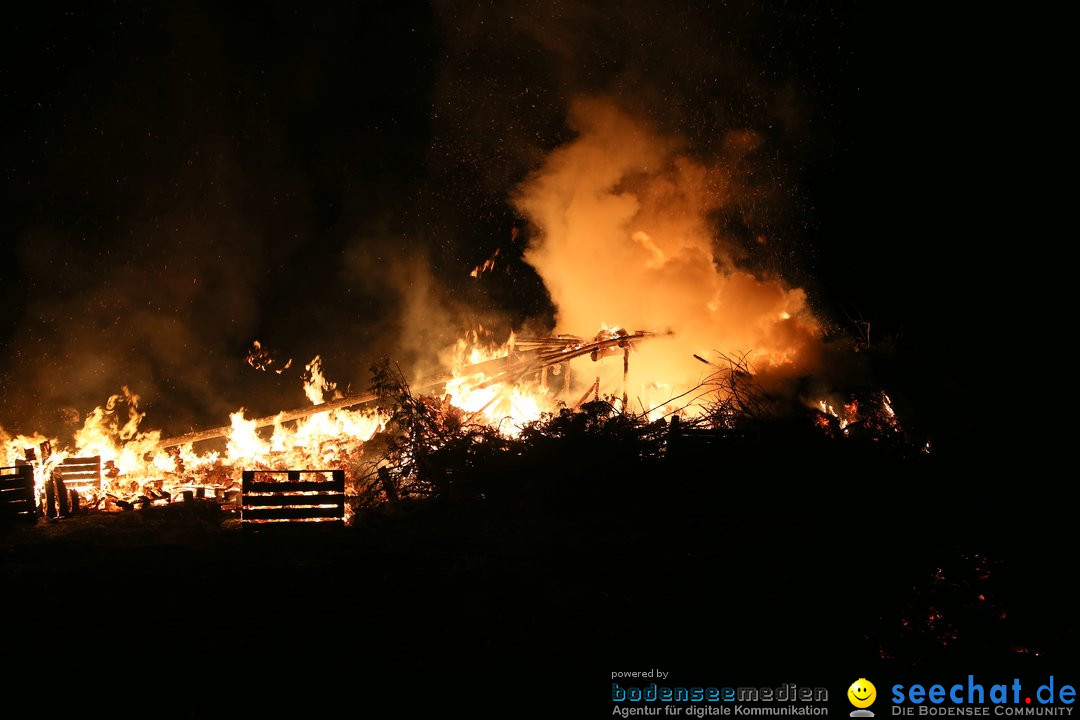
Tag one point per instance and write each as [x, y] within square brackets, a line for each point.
[262, 359]
[486, 265]
[508, 407]
[316, 385]
[845, 416]
[134, 467]
[878, 415]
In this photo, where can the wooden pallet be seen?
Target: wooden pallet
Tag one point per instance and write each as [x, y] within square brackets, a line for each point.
[18, 502]
[266, 501]
[82, 474]
[70, 483]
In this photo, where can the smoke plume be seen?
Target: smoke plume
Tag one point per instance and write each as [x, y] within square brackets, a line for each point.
[625, 238]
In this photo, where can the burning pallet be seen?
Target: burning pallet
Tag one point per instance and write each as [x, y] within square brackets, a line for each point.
[72, 480]
[292, 501]
[17, 499]
[82, 474]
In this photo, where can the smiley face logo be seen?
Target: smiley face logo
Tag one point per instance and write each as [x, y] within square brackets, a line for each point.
[862, 693]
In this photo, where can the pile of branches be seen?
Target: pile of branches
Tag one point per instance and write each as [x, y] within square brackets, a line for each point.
[729, 396]
[429, 448]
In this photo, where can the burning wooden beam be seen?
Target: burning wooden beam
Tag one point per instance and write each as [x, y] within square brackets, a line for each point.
[223, 431]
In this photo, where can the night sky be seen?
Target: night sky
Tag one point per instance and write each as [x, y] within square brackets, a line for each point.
[180, 181]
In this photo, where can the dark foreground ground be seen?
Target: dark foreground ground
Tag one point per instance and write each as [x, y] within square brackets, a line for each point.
[763, 572]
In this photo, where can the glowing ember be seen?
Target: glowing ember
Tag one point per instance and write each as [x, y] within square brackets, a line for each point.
[262, 359]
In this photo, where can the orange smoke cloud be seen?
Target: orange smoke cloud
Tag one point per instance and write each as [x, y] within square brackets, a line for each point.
[625, 239]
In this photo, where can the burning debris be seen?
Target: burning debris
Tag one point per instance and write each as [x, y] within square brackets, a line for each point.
[384, 442]
[132, 468]
[492, 261]
[622, 227]
[262, 359]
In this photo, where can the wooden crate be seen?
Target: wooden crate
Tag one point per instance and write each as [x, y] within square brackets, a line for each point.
[269, 501]
[17, 499]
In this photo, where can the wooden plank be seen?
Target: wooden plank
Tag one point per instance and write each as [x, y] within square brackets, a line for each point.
[291, 527]
[291, 475]
[16, 485]
[67, 465]
[78, 472]
[292, 513]
[23, 473]
[335, 498]
[251, 474]
[300, 501]
[272, 487]
[63, 500]
[50, 500]
[20, 495]
[92, 460]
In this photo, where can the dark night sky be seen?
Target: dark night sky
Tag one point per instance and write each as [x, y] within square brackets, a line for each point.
[178, 182]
